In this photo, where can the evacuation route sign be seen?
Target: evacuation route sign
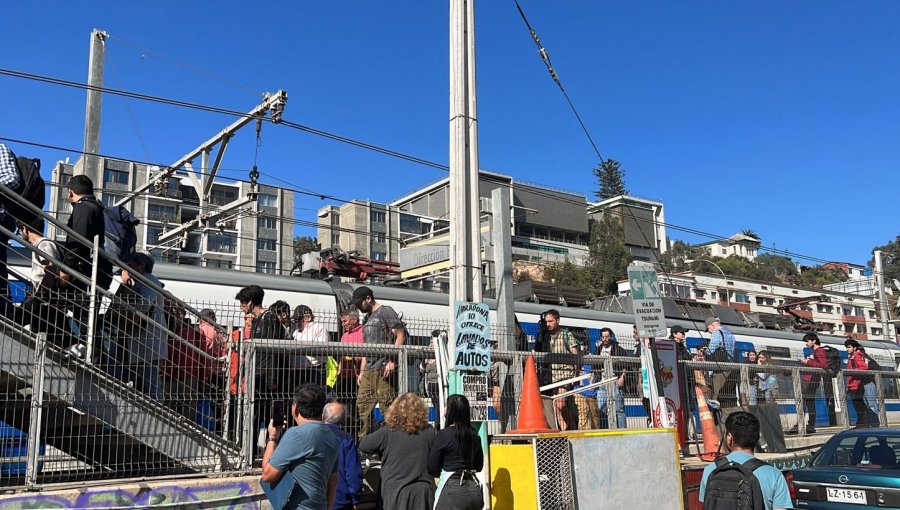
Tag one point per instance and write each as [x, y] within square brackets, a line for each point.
[646, 301]
[473, 337]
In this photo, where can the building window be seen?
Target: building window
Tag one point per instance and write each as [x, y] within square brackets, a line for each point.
[111, 176]
[266, 222]
[335, 240]
[379, 237]
[741, 297]
[335, 219]
[378, 216]
[222, 243]
[765, 301]
[267, 200]
[160, 212]
[861, 328]
[153, 234]
[699, 294]
[265, 267]
[824, 308]
[110, 199]
[858, 311]
[410, 224]
[221, 264]
[265, 244]
[675, 291]
[872, 314]
[877, 332]
[379, 255]
[222, 196]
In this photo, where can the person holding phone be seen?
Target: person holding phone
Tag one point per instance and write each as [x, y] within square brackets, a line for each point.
[300, 466]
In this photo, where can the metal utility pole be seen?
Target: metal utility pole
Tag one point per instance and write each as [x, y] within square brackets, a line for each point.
[883, 308]
[465, 223]
[91, 166]
[503, 270]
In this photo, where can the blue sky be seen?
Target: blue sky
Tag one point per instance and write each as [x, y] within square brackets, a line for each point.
[781, 117]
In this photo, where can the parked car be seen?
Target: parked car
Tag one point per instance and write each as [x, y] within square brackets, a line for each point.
[855, 470]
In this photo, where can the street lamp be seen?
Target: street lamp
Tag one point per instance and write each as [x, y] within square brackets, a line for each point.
[727, 298]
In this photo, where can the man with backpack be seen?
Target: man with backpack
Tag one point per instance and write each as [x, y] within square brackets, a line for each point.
[722, 349]
[740, 480]
[811, 381]
[9, 177]
[857, 385]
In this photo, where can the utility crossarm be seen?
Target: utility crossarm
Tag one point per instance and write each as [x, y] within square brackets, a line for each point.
[184, 228]
[273, 104]
[803, 323]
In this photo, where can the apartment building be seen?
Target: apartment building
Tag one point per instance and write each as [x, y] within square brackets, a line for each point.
[643, 222]
[738, 244]
[756, 302]
[255, 237]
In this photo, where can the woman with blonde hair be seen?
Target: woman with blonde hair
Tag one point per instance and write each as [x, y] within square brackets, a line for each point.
[403, 443]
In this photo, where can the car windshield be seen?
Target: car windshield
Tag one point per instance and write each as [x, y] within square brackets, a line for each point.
[874, 451]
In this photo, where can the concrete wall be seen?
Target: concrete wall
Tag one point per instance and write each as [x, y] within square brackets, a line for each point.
[233, 493]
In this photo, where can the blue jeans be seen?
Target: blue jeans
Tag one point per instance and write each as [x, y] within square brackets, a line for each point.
[603, 398]
[871, 399]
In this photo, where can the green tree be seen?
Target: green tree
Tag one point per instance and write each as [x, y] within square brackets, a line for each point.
[817, 276]
[568, 273]
[733, 265]
[775, 268]
[611, 178]
[303, 244]
[750, 233]
[674, 259]
[608, 257]
[890, 260]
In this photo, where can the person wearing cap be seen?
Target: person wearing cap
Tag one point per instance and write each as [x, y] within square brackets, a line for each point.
[678, 335]
[721, 349]
[381, 326]
[306, 329]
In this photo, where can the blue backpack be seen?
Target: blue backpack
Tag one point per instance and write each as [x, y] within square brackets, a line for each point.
[121, 232]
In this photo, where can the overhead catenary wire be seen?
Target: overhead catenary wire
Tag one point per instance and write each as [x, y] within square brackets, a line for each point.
[322, 196]
[357, 143]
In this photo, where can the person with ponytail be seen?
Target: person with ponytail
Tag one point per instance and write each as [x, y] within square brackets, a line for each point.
[456, 457]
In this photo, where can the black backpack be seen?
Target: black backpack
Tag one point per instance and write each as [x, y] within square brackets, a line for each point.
[121, 232]
[872, 364]
[733, 486]
[31, 187]
[833, 358]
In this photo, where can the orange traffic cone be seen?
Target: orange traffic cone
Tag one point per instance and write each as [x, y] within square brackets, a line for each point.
[531, 418]
[707, 422]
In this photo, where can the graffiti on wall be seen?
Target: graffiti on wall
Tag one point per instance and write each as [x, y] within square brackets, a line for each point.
[232, 495]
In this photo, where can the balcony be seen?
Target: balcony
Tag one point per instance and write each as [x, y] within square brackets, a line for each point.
[853, 319]
[164, 217]
[741, 307]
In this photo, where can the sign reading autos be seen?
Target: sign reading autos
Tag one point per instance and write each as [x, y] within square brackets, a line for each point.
[649, 315]
[473, 337]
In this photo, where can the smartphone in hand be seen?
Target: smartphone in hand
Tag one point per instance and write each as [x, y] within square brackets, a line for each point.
[278, 414]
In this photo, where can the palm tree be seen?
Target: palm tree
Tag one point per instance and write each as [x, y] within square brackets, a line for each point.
[750, 233]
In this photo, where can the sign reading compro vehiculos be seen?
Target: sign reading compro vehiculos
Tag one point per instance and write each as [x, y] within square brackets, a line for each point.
[649, 316]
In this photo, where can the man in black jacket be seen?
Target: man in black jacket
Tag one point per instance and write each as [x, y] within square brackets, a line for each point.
[87, 219]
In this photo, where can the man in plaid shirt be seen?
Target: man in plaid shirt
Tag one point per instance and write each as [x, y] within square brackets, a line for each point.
[9, 177]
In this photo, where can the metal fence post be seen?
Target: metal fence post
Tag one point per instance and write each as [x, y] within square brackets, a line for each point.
[610, 398]
[797, 378]
[403, 369]
[248, 441]
[840, 397]
[879, 397]
[517, 383]
[36, 411]
[92, 306]
[745, 386]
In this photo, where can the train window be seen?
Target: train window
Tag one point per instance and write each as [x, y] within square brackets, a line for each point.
[778, 352]
[581, 337]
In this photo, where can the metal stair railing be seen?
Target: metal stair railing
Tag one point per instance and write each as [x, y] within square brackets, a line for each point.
[91, 401]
